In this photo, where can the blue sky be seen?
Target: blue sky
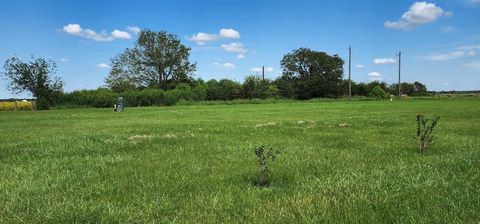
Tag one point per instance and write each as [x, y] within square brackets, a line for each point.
[439, 40]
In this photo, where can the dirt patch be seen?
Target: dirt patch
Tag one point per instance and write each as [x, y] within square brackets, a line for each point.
[265, 124]
[139, 138]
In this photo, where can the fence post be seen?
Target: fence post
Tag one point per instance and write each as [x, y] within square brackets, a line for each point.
[15, 105]
[31, 103]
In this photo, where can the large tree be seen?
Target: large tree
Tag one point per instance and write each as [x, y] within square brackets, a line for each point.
[35, 77]
[312, 73]
[158, 60]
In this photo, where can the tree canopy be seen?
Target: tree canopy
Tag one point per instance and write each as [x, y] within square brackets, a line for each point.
[311, 74]
[158, 60]
[35, 77]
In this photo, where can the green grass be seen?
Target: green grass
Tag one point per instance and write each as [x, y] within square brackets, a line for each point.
[196, 164]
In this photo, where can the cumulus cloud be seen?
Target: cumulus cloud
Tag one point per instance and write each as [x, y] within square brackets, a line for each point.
[63, 59]
[418, 14]
[229, 33]
[118, 34]
[202, 38]
[450, 56]
[375, 76]
[103, 65]
[359, 66]
[381, 61]
[227, 65]
[73, 29]
[259, 69]
[76, 30]
[134, 29]
[234, 47]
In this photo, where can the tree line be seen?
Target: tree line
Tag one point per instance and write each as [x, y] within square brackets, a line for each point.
[157, 71]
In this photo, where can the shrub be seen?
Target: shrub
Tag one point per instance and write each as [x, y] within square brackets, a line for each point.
[170, 98]
[424, 131]
[264, 162]
[379, 93]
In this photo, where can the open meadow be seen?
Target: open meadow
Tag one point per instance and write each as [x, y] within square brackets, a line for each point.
[340, 162]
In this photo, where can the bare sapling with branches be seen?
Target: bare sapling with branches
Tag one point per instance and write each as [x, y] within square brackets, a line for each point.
[424, 131]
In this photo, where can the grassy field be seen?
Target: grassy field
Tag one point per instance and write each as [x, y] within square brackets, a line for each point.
[196, 164]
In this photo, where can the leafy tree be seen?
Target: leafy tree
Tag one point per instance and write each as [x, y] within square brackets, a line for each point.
[158, 60]
[212, 90]
[379, 93]
[407, 88]
[35, 77]
[286, 86]
[255, 87]
[419, 88]
[229, 89]
[313, 73]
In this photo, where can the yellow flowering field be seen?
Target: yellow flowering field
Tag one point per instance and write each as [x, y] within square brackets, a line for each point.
[21, 105]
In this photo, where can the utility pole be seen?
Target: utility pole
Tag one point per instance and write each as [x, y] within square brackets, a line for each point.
[349, 73]
[399, 72]
[263, 72]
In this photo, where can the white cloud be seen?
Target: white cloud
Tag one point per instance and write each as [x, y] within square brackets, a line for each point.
[418, 14]
[63, 59]
[229, 33]
[134, 29]
[380, 61]
[118, 34]
[240, 56]
[450, 56]
[76, 30]
[375, 76]
[202, 38]
[474, 65]
[475, 2]
[103, 65]
[359, 66]
[227, 65]
[73, 29]
[259, 69]
[234, 47]
[90, 34]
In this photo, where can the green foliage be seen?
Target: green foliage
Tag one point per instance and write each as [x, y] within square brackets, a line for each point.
[170, 98]
[424, 131]
[34, 77]
[228, 89]
[313, 74]
[265, 158]
[158, 60]
[379, 93]
[256, 87]
[107, 98]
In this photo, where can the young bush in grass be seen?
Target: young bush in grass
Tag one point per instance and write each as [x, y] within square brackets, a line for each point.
[265, 160]
[379, 93]
[424, 131]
